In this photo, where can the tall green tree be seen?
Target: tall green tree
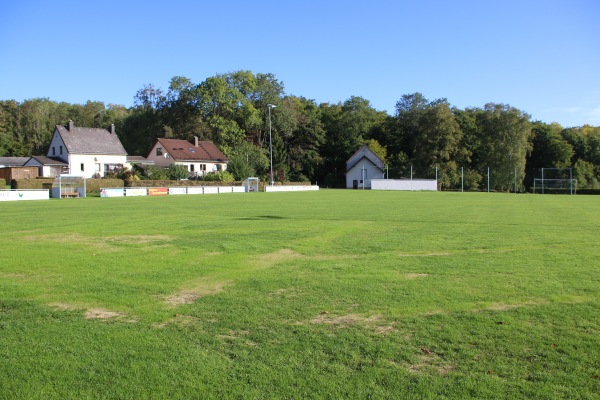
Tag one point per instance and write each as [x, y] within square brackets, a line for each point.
[347, 125]
[505, 143]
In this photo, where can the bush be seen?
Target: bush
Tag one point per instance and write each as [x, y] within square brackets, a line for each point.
[30, 183]
[222, 176]
[94, 185]
[177, 172]
[2, 183]
[156, 173]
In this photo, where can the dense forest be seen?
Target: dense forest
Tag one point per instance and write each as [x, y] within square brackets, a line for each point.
[311, 142]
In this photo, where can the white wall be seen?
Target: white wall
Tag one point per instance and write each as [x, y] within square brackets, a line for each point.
[404, 184]
[89, 163]
[290, 188]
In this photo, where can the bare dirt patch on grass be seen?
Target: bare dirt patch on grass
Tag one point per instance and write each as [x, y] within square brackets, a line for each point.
[415, 275]
[64, 306]
[374, 322]
[270, 259]
[188, 296]
[442, 254]
[431, 362]
[101, 244]
[105, 315]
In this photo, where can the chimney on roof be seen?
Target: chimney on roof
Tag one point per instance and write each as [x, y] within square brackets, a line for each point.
[195, 141]
[112, 129]
[71, 125]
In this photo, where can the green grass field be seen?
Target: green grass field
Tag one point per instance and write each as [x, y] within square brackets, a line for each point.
[329, 294]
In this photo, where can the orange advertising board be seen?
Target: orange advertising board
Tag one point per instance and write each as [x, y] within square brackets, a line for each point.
[158, 191]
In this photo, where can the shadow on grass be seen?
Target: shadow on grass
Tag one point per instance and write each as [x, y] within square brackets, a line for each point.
[260, 218]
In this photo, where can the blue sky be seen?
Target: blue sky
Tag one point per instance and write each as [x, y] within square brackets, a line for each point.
[542, 57]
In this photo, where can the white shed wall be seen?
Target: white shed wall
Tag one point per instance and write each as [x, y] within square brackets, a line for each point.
[404, 184]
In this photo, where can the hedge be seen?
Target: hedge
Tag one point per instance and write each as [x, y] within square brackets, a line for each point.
[94, 185]
[30, 183]
[169, 183]
[2, 183]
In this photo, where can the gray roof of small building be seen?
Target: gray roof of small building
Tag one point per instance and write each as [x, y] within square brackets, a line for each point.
[43, 160]
[362, 153]
[13, 161]
[90, 141]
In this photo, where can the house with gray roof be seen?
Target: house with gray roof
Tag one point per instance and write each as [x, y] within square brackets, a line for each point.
[363, 166]
[48, 167]
[89, 152]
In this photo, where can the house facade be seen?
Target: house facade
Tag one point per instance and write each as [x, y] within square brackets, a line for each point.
[199, 157]
[363, 166]
[89, 152]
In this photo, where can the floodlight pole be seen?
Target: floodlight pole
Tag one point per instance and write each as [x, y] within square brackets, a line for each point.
[270, 140]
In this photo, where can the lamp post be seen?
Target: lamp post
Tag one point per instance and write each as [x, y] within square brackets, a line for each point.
[270, 140]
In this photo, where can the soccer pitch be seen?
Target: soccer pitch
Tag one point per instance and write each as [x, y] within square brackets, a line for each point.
[329, 294]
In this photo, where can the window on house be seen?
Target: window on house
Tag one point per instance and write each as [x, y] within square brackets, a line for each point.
[191, 167]
[219, 167]
[202, 167]
[82, 169]
[159, 151]
[60, 150]
[54, 151]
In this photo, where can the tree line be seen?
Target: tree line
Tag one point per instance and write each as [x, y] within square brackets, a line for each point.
[312, 142]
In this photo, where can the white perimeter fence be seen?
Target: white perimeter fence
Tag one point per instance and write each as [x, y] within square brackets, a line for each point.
[403, 184]
[171, 191]
[24, 194]
[290, 188]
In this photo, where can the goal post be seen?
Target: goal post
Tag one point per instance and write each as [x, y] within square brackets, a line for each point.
[555, 181]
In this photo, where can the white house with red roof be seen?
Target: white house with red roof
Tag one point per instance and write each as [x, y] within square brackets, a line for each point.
[199, 157]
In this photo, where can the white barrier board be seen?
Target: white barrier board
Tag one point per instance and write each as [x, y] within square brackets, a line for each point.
[130, 192]
[290, 188]
[177, 190]
[16, 195]
[403, 184]
[112, 192]
[195, 190]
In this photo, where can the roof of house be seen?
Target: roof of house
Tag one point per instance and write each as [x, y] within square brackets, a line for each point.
[90, 140]
[13, 161]
[364, 152]
[182, 150]
[138, 160]
[43, 160]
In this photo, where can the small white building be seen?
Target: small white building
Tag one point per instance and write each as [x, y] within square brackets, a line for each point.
[363, 166]
[48, 167]
[199, 157]
[89, 152]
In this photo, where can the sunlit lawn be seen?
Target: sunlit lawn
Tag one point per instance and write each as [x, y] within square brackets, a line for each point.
[329, 294]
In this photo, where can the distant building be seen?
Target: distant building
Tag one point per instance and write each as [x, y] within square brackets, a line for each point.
[48, 167]
[13, 161]
[89, 152]
[363, 166]
[199, 157]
